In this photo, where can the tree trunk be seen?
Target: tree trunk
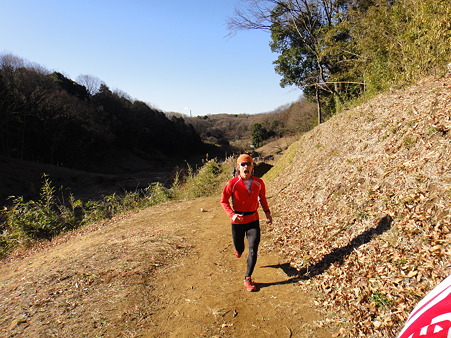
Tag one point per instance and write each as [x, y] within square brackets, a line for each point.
[318, 103]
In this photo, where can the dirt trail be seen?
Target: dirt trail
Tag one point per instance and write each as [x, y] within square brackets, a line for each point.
[162, 272]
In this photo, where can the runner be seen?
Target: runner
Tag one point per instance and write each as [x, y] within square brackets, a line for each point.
[246, 192]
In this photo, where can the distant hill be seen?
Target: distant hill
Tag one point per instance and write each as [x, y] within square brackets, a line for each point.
[235, 130]
[362, 206]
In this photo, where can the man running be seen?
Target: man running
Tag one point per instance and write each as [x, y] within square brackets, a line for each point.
[246, 192]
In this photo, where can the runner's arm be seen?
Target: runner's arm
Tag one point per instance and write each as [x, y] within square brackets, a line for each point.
[264, 203]
[226, 194]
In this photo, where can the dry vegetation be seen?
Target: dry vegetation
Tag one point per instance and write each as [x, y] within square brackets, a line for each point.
[363, 207]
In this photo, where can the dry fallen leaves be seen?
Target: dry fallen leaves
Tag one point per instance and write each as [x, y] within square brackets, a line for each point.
[388, 158]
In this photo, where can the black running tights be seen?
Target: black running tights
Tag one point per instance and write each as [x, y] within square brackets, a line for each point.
[252, 232]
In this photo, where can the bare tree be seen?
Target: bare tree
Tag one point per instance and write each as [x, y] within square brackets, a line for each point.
[299, 17]
[11, 61]
[91, 83]
[253, 14]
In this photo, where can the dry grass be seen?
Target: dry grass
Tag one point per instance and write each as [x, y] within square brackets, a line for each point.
[363, 206]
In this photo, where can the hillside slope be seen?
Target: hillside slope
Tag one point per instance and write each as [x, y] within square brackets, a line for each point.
[362, 206]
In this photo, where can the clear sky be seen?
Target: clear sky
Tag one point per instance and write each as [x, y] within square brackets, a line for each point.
[172, 54]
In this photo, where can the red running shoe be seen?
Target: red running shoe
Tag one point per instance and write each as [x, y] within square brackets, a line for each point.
[250, 286]
[238, 255]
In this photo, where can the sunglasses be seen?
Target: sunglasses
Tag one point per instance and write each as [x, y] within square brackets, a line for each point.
[243, 164]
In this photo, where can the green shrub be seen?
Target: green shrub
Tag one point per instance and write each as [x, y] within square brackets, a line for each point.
[158, 193]
[206, 181]
[133, 200]
[102, 209]
[31, 221]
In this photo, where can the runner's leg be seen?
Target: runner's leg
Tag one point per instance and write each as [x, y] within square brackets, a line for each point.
[238, 233]
[253, 239]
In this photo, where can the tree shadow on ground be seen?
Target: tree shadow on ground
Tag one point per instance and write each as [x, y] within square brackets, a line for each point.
[337, 255]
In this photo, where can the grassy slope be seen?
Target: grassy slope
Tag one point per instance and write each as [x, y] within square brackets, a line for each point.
[363, 206]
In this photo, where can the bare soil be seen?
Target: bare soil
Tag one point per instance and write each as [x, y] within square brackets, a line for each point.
[164, 271]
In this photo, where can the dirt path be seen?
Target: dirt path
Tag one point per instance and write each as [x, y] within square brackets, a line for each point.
[162, 272]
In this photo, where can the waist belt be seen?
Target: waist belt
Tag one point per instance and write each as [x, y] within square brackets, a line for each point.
[245, 213]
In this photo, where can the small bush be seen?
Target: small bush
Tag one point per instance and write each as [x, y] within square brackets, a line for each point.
[31, 221]
[205, 182]
[158, 193]
[97, 210]
[133, 200]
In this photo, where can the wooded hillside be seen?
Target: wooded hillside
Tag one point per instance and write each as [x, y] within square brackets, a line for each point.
[240, 131]
[49, 118]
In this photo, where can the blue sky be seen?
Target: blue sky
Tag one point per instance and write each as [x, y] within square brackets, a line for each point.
[172, 54]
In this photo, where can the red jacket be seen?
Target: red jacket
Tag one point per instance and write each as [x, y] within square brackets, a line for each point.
[242, 200]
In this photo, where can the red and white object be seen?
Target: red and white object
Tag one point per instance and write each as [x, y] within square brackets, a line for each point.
[431, 318]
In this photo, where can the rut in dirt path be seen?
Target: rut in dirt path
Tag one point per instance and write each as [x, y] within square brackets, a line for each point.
[164, 271]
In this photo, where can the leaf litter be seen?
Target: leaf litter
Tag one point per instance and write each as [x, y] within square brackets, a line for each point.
[363, 210]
